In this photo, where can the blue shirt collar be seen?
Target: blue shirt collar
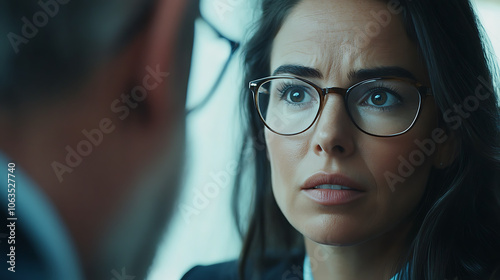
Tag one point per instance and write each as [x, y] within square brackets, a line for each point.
[308, 272]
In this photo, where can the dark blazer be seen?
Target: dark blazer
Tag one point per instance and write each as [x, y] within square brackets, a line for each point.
[284, 268]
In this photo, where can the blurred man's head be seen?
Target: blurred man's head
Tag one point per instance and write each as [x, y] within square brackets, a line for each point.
[92, 109]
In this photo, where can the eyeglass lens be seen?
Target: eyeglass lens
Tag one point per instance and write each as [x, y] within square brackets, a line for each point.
[380, 106]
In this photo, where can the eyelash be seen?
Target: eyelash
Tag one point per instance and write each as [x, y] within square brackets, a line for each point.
[391, 90]
[282, 89]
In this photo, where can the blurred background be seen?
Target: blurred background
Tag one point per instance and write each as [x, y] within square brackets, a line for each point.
[202, 229]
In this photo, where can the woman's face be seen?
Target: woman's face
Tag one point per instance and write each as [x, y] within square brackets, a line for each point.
[344, 41]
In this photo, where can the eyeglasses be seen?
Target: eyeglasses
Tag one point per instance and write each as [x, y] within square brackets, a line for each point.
[385, 106]
[200, 102]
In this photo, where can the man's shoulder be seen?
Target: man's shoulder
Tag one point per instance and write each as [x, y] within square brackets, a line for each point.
[289, 267]
[223, 271]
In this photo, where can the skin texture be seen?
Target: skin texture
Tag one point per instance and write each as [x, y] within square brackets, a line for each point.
[116, 203]
[363, 238]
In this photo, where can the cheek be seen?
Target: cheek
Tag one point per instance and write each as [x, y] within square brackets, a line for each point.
[399, 167]
[284, 154]
[403, 158]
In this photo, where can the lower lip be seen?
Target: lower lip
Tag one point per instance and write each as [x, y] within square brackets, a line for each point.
[332, 197]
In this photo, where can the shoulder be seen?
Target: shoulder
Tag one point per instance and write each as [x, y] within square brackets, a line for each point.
[289, 267]
[221, 271]
[39, 246]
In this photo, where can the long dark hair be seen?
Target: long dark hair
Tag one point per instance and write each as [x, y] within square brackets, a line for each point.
[457, 229]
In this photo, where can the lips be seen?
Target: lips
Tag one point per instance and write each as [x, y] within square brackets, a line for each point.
[323, 180]
[332, 189]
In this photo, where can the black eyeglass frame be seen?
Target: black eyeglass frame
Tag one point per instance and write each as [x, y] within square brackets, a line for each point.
[421, 88]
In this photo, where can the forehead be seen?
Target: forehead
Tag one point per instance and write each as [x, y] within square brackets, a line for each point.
[340, 36]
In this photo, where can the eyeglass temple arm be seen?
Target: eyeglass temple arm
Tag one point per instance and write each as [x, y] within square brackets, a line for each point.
[425, 91]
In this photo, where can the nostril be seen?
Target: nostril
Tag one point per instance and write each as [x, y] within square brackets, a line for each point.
[339, 148]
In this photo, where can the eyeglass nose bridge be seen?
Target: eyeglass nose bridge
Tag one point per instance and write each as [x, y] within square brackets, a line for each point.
[337, 90]
[331, 90]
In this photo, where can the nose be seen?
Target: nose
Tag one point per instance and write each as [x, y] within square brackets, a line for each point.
[334, 130]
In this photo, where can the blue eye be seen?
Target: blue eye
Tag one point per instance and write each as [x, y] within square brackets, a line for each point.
[381, 98]
[295, 94]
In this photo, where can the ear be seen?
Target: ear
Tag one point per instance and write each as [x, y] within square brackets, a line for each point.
[446, 151]
[158, 85]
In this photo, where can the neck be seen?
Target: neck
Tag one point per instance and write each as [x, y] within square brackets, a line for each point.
[376, 259]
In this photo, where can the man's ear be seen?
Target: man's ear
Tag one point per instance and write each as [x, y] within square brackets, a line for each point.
[446, 152]
[155, 85]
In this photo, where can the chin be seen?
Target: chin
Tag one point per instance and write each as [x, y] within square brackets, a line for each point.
[334, 232]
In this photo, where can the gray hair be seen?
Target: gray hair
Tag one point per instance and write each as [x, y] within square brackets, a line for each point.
[48, 45]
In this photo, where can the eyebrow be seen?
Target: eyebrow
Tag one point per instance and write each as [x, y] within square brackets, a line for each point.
[393, 71]
[298, 70]
[355, 75]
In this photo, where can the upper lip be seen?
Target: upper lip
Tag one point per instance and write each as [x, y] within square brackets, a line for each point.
[323, 178]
